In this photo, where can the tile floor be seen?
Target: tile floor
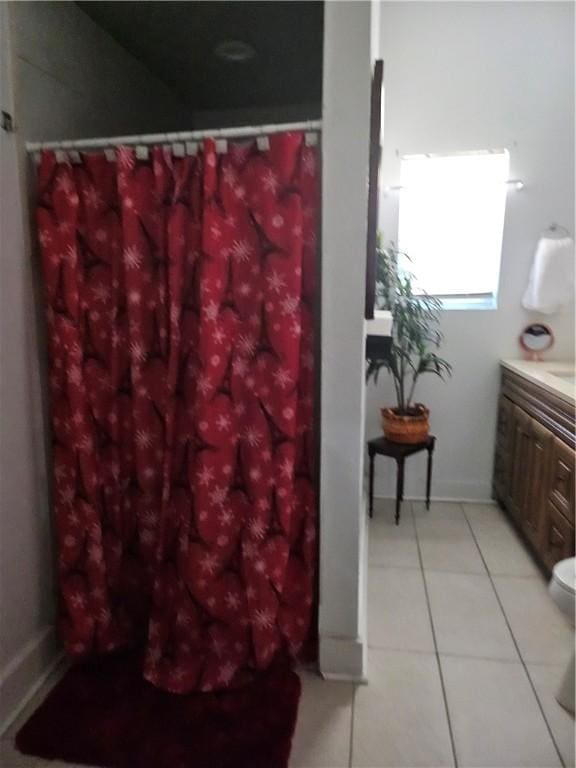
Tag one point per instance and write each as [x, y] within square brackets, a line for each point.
[466, 650]
[465, 653]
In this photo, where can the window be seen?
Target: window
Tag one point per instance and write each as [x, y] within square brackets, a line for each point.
[451, 219]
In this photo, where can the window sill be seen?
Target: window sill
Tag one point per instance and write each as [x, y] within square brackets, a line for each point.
[469, 302]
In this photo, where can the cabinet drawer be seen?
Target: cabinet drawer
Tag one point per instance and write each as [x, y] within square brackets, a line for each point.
[562, 479]
[557, 541]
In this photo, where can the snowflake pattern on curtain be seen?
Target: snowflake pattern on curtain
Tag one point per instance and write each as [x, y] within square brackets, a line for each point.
[180, 294]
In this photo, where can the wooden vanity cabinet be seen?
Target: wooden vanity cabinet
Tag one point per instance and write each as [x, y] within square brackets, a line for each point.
[557, 541]
[562, 479]
[503, 460]
[521, 460]
[541, 441]
[534, 467]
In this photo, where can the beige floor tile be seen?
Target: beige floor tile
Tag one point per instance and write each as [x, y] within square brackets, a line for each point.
[489, 513]
[546, 679]
[390, 544]
[398, 617]
[11, 758]
[501, 547]
[467, 618]
[495, 717]
[322, 738]
[399, 717]
[446, 542]
[439, 510]
[541, 630]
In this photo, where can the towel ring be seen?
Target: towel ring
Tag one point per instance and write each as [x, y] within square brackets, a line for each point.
[535, 339]
[558, 228]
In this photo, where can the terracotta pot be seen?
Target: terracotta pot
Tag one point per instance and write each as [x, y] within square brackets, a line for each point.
[411, 427]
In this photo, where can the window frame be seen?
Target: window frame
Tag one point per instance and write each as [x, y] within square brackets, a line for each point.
[470, 300]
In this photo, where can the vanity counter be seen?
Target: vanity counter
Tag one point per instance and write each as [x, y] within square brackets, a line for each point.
[553, 376]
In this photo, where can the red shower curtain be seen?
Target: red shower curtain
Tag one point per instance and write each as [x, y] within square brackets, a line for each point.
[180, 295]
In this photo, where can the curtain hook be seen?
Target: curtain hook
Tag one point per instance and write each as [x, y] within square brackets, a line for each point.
[141, 150]
[178, 149]
[263, 143]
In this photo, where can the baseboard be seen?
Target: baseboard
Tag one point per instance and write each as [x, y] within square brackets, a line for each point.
[489, 501]
[343, 659]
[363, 573]
[26, 673]
[335, 677]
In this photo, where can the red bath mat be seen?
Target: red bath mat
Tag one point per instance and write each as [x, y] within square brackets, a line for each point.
[104, 713]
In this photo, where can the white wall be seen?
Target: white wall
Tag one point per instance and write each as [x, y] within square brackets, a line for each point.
[71, 80]
[27, 642]
[75, 81]
[346, 96]
[285, 113]
[476, 75]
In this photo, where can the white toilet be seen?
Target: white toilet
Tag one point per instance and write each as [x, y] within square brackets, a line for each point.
[562, 589]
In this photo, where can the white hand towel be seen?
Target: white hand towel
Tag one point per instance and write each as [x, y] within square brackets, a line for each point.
[551, 282]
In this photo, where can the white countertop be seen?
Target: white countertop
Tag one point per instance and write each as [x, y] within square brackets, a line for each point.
[381, 325]
[554, 376]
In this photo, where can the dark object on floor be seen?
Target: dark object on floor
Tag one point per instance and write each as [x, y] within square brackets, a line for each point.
[399, 451]
[104, 713]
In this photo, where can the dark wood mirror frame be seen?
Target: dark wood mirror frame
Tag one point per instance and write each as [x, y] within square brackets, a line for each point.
[373, 174]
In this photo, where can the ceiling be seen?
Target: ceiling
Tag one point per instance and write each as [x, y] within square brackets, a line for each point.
[176, 41]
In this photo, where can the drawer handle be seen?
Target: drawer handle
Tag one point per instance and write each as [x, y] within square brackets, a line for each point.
[555, 538]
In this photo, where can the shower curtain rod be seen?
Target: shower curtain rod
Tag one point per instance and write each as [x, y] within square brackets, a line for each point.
[167, 138]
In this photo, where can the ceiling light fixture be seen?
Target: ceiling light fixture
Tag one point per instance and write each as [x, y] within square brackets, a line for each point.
[234, 50]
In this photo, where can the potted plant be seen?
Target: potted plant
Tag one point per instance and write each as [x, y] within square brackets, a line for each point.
[415, 337]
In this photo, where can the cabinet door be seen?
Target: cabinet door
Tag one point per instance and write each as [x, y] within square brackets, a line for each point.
[557, 542]
[522, 438]
[538, 473]
[562, 479]
[503, 456]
